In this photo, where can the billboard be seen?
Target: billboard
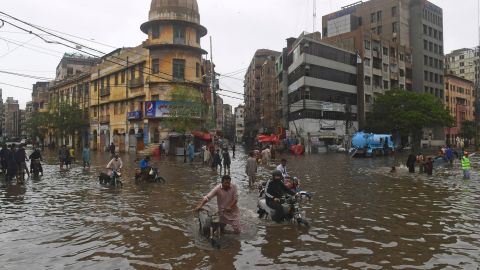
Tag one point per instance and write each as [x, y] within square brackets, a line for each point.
[169, 109]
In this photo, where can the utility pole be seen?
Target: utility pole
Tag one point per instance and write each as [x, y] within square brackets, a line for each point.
[314, 15]
[127, 141]
[212, 77]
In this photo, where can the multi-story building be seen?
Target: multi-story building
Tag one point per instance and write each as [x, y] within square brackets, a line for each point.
[73, 64]
[12, 119]
[228, 124]
[460, 102]
[40, 96]
[281, 72]
[239, 123]
[465, 63]
[25, 119]
[2, 116]
[260, 89]
[386, 65]
[74, 91]
[417, 25]
[219, 115]
[130, 90]
[322, 87]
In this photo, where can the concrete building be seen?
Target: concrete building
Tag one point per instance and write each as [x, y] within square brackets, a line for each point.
[281, 73]
[26, 115]
[229, 122]
[73, 90]
[12, 119]
[322, 87]
[219, 113]
[260, 89]
[40, 96]
[385, 65]
[460, 102]
[73, 64]
[239, 123]
[2, 116]
[415, 24]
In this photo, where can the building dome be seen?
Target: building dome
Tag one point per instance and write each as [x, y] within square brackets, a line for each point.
[176, 10]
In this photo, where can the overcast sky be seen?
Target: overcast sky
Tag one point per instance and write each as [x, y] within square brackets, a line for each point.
[238, 28]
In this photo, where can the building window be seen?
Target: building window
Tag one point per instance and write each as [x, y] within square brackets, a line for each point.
[440, 35]
[132, 73]
[379, 30]
[178, 35]
[385, 67]
[373, 17]
[155, 66]
[395, 27]
[155, 31]
[367, 44]
[462, 71]
[430, 30]
[430, 46]
[385, 51]
[425, 44]
[431, 77]
[435, 63]
[385, 85]
[122, 76]
[435, 48]
[197, 70]
[430, 61]
[379, 15]
[435, 32]
[367, 62]
[179, 69]
[394, 11]
[425, 60]
[402, 73]
[440, 49]
[425, 29]
[368, 80]
[402, 57]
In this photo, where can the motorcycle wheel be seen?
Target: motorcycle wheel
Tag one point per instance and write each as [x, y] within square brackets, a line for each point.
[160, 179]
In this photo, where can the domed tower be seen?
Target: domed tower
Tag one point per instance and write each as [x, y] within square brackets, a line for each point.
[174, 34]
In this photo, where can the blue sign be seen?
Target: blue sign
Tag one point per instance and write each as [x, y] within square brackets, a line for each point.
[169, 109]
[134, 115]
[150, 109]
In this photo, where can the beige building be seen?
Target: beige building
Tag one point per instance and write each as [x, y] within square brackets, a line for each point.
[239, 123]
[460, 102]
[260, 89]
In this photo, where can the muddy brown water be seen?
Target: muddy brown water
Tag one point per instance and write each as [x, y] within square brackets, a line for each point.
[361, 217]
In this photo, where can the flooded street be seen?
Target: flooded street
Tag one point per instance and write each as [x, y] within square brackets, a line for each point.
[361, 216]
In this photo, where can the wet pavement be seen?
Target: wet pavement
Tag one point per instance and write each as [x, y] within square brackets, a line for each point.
[361, 216]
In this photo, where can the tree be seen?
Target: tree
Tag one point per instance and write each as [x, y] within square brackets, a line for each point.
[38, 124]
[467, 130]
[408, 113]
[187, 111]
[68, 119]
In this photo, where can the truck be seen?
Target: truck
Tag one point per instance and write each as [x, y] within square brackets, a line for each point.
[369, 144]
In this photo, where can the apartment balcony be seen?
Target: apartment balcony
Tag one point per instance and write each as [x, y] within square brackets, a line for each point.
[137, 82]
[104, 119]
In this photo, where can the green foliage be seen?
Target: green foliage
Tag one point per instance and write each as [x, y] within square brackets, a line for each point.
[64, 119]
[468, 130]
[408, 113]
[188, 110]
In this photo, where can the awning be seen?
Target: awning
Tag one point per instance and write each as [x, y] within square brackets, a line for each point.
[268, 138]
[206, 136]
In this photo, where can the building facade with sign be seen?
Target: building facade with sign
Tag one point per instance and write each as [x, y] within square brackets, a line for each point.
[322, 91]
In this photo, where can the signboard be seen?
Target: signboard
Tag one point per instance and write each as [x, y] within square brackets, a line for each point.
[169, 109]
[134, 115]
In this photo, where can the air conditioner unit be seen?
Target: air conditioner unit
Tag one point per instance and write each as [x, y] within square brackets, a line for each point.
[306, 45]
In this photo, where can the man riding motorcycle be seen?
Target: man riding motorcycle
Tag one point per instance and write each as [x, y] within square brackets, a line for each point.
[115, 164]
[144, 168]
[276, 189]
[36, 156]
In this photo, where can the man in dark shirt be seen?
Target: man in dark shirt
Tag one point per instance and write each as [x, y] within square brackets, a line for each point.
[20, 158]
[275, 191]
[3, 158]
[36, 156]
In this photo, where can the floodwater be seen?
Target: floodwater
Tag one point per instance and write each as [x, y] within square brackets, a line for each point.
[361, 217]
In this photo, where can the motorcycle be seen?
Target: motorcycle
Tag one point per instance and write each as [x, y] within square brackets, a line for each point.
[291, 207]
[113, 180]
[36, 167]
[210, 226]
[152, 176]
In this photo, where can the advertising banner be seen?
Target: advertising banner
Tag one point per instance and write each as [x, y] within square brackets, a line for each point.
[169, 109]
